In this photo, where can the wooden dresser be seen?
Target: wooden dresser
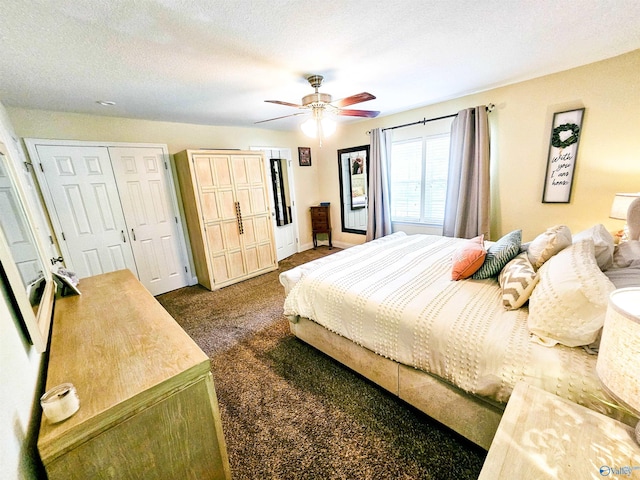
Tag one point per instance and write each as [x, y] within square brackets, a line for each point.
[148, 408]
[320, 223]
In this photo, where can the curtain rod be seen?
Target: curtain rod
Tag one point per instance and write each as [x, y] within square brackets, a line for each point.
[489, 107]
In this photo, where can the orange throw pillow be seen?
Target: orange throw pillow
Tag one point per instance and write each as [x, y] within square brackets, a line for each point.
[468, 258]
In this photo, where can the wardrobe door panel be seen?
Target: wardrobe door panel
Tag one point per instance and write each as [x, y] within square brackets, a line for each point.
[251, 257]
[204, 172]
[262, 231]
[231, 235]
[227, 204]
[222, 169]
[210, 209]
[240, 176]
[265, 255]
[259, 200]
[215, 238]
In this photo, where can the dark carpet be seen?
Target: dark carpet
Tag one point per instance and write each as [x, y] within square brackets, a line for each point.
[290, 412]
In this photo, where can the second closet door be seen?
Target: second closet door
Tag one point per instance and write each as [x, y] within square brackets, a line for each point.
[151, 224]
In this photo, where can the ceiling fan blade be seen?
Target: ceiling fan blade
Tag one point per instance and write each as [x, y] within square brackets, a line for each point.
[284, 116]
[353, 99]
[285, 103]
[358, 113]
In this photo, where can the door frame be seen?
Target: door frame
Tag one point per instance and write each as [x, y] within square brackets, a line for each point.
[176, 204]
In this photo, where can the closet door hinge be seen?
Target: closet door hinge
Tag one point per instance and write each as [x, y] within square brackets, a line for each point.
[165, 165]
[41, 169]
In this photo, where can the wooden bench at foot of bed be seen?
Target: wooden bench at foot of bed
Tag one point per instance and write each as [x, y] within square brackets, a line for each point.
[472, 417]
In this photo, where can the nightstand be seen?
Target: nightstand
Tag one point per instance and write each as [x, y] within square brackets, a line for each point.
[544, 436]
[320, 223]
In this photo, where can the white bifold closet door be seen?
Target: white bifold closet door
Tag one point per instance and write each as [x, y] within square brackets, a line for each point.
[111, 208]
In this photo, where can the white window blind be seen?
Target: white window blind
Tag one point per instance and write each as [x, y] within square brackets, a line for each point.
[419, 170]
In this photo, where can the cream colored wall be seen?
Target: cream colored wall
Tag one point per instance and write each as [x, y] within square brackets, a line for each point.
[178, 136]
[608, 157]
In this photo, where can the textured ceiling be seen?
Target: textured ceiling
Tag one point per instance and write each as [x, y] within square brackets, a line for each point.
[215, 62]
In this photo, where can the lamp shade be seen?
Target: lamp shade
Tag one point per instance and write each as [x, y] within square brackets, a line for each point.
[618, 365]
[621, 204]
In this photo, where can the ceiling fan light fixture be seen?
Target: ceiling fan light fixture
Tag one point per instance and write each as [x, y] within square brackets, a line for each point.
[328, 127]
[315, 127]
[310, 127]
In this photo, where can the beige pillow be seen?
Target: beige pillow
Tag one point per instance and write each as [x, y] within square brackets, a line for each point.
[547, 244]
[518, 278]
[569, 303]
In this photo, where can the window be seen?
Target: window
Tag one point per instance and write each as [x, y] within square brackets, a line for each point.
[418, 173]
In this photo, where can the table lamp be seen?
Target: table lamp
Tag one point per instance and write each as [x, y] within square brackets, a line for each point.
[618, 365]
[620, 209]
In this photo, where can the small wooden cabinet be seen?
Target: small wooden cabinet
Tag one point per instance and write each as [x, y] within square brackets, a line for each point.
[320, 223]
[148, 407]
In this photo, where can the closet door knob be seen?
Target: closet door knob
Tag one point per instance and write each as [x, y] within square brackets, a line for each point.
[124, 239]
[133, 234]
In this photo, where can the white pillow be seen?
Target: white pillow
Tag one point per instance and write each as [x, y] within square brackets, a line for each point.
[569, 303]
[547, 244]
[603, 243]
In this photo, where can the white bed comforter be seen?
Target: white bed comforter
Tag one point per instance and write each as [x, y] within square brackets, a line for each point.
[395, 297]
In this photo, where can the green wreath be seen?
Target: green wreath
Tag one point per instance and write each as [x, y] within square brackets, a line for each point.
[555, 138]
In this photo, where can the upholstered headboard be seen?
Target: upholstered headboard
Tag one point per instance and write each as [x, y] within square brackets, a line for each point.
[633, 219]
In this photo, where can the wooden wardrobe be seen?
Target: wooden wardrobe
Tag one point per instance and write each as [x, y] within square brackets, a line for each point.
[226, 202]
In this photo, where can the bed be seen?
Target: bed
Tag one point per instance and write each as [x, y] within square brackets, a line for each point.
[390, 310]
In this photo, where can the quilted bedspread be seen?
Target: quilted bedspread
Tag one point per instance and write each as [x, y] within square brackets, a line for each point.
[395, 297]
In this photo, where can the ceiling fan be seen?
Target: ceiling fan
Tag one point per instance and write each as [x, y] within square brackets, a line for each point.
[320, 103]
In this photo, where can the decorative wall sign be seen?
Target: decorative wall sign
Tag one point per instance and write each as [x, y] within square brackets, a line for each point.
[563, 150]
[304, 156]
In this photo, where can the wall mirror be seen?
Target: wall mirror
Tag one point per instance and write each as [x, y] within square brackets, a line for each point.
[22, 257]
[353, 167]
[281, 197]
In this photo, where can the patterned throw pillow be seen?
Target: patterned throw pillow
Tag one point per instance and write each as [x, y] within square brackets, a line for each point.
[499, 254]
[468, 258]
[518, 279]
[547, 244]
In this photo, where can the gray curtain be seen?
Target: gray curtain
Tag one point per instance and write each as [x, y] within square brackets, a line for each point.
[379, 206]
[467, 205]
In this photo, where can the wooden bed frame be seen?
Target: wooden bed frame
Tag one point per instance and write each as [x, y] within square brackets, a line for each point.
[472, 417]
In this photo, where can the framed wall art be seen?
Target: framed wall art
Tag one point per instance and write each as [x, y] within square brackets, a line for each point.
[304, 156]
[566, 131]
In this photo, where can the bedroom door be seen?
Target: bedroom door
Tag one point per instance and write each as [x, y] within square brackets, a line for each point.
[286, 233]
[111, 209]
